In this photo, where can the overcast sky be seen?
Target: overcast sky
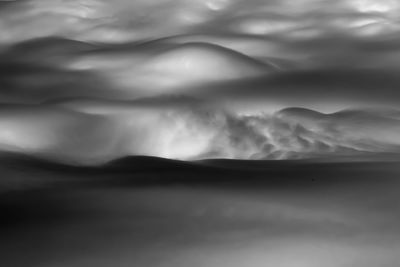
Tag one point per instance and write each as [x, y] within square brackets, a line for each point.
[219, 70]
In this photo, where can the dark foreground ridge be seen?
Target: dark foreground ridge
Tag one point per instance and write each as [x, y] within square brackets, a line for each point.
[54, 213]
[20, 171]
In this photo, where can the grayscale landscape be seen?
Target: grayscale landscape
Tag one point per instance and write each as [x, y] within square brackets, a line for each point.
[199, 133]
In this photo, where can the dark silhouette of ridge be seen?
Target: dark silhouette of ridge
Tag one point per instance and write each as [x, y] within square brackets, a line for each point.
[142, 170]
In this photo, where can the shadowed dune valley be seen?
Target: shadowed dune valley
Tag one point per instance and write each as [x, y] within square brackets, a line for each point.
[199, 133]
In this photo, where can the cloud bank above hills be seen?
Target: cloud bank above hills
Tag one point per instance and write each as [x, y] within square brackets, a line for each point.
[91, 80]
[91, 131]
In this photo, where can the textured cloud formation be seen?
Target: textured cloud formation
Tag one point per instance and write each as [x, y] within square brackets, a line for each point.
[193, 130]
[94, 131]
[215, 67]
[123, 20]
[56, 133]
[110, 73]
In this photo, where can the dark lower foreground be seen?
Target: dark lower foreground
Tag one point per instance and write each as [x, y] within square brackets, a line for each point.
[209, 214]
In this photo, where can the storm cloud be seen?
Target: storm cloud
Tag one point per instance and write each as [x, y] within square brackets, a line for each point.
[199, 79]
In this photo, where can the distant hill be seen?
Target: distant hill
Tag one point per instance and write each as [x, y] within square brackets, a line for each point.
[21, 172]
